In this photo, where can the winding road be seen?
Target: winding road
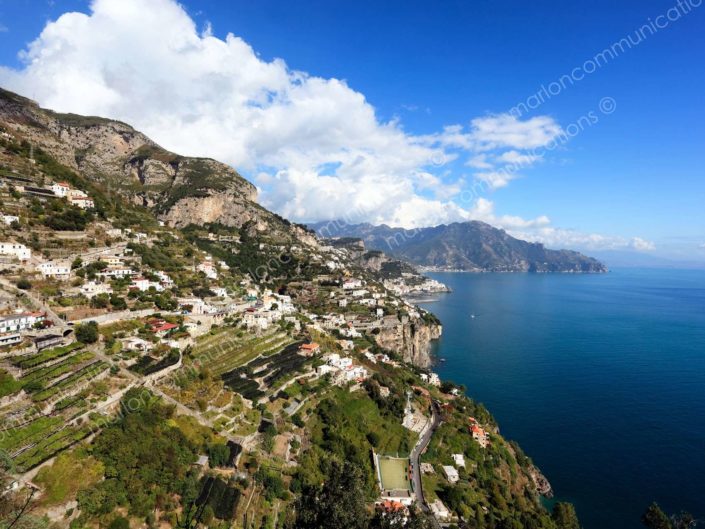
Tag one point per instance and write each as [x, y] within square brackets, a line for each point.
[419, 449]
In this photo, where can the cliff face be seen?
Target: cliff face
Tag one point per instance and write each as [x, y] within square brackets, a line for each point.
[180, 189]
[411, 339]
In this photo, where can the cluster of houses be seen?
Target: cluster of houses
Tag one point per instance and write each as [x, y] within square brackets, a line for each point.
[268, 309]
[75, 197]
[342, 369]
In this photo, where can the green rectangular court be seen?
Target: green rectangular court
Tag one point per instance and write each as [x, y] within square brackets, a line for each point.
[393, 473]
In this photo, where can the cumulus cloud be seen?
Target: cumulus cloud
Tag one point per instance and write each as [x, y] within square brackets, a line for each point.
[315, 147]
[148, 64]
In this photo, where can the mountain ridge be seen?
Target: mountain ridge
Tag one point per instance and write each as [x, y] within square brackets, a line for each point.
[467, 246]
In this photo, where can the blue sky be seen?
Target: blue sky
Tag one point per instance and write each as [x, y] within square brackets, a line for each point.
[637, 172]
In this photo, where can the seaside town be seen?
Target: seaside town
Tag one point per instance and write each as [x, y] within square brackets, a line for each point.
[263, 352]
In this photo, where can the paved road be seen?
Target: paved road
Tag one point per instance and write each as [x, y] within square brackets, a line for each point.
[419, 449]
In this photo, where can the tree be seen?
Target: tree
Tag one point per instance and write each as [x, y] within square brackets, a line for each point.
[655, 518]
[218, 455]
[117, 302]
[565, 517]
[119, 523]
[23, 283]
[87, 332]
[339, 502]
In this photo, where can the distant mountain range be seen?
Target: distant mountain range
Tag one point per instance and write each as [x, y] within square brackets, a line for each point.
[469, 246]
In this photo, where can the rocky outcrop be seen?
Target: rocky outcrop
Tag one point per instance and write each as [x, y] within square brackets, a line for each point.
[180, 189]
[411, 339]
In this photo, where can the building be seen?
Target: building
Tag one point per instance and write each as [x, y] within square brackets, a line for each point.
[195, 306]
[117, 272]
[55, 269]
[164, 279]
[48, 340]
[478, 433]
[208, 268]
[162, 328]
[13, 249]
[82, 202]
[459, 460]
[143, 284]
[220, 292]
[93, 288]
[20, 322]
[10, 339]
[309, 349]
[352, 284]
[440, 511]
[61, 189]
[451, 474]
[136, 344]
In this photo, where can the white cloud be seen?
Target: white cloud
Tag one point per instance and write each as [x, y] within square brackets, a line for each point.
[497, 179]
[505, 130]
[146, 63]
[314, 146]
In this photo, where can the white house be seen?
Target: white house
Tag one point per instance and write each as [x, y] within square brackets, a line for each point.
[459, 460]
[93, 288]
[82, 202]
[61, 189]
[352, 284]
[20, 322]
[13, 249]
[135, 343]
[253, 319]
[451, 474]
[143, 284]
[116, 272]
[440, 511]
[55, 269]
[164, 279]
[220, 292]
[208, 268]
[198, 306]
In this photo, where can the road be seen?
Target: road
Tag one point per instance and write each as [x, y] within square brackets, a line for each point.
[419, 449]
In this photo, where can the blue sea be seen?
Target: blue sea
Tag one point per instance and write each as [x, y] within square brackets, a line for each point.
[600, 378]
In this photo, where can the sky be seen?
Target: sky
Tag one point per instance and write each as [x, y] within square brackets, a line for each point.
[576, 124]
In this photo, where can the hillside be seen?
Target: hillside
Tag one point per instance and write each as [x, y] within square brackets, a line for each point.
[180, 190]
[471, 246]
[165, 365]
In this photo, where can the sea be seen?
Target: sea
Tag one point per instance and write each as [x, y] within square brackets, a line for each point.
[600, 378]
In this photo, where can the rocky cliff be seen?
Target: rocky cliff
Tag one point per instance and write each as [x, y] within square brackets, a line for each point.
[181, 190]
[411, 339]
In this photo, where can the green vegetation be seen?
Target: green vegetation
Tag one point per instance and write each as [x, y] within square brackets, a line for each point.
[87, 332]
[146, 460]
[28, 362]
[71, 472]
[8, 385]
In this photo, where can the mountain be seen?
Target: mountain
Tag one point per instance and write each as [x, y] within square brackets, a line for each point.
[471, 246]
[180, 190]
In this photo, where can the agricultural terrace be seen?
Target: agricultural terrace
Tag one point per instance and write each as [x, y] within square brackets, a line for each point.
[227, 348]
[265, 374]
